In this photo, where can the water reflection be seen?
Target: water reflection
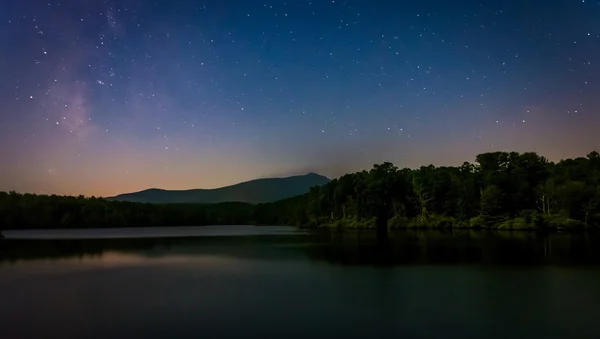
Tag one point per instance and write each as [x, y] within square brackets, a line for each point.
[350, 285]
[460, 247]
[345, 248]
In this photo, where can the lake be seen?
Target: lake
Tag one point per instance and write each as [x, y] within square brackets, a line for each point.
[280, 282]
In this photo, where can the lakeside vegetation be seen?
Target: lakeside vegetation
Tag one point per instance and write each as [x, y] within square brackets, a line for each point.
[502, 190]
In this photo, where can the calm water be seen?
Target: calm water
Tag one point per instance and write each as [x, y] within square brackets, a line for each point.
[263, 282]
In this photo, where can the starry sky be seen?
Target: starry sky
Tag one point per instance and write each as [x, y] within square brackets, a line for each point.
[100, 97]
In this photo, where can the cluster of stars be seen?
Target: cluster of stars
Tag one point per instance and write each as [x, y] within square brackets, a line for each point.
[282, 77]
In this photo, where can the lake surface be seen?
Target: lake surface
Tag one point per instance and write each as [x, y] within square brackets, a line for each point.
[152, 232]
[279, 282]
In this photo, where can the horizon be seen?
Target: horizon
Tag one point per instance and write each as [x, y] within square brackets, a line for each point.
[104, 98]
[281, 177]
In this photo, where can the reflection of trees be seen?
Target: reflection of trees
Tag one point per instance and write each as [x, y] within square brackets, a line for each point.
[457, 247]
[345, 248]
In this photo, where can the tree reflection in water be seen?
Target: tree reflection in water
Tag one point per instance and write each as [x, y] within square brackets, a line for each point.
[345, 248]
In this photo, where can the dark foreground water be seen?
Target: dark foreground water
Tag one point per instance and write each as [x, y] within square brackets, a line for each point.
[252, 282]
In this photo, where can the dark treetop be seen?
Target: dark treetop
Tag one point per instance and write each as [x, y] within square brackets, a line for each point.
[502, 190]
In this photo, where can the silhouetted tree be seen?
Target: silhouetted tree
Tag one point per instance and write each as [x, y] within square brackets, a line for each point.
[501, 190]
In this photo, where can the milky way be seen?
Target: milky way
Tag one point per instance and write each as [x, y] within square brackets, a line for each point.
[104, 97]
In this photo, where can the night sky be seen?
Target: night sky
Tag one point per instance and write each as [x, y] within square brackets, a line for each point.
[104, 97]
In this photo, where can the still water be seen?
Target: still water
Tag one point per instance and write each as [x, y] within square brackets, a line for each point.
[265, 282]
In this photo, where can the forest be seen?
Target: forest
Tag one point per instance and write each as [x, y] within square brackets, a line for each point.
[501, 190]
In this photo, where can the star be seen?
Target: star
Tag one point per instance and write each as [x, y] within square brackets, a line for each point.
[226, 92]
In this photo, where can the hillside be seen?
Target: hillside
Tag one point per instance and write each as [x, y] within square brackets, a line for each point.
[254, 191]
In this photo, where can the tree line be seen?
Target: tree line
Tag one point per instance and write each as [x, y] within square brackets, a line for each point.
[501, 190]
[31, 211]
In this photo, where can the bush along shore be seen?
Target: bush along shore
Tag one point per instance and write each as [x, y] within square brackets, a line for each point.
[501, 190]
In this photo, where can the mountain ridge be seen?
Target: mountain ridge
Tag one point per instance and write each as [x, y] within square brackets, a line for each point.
[255, 191]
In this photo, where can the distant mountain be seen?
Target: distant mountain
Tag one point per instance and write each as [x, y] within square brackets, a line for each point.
[254, 191]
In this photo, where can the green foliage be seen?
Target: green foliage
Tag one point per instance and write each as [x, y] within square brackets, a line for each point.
[477, 222]
[29, 211]
[353, 223]
[398, 222]
[558, 221]
[502, 190]
[515, 224]
[441, 221]
[492, 202]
